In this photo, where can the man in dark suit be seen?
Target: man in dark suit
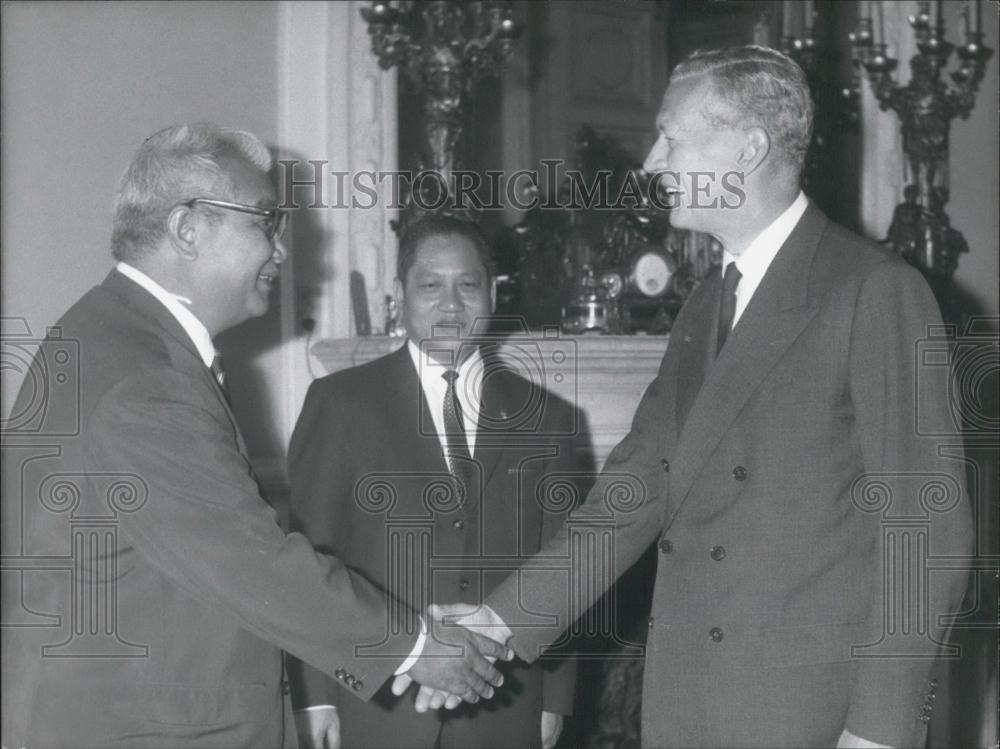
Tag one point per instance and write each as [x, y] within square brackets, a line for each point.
[777, 457]
[148, 590]
[433, 453]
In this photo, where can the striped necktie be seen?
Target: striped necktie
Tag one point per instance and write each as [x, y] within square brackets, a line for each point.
[459, 457]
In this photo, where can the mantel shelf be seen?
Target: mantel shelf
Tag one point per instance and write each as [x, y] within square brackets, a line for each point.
[605, 376]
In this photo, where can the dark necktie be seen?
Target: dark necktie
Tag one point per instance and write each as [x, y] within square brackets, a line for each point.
[459, 457]
[727, 310]
[219, 373]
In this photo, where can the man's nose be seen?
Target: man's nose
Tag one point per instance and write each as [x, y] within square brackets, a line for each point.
[452, 298]
[656, 159]
[280, 251]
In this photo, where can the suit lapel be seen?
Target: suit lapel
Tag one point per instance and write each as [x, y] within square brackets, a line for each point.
[697, 346]
[165, 324]
[408, 411]
[778, 312]
[150, 308]
[496, 402]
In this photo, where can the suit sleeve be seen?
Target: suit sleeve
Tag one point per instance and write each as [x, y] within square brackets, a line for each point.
[559, 676]
[309, 473]
[538, 604]
[205, 526]
[924, 475]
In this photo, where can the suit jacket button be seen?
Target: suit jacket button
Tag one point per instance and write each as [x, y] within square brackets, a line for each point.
[358, 685]
[459, 524]
[666, 465]
[285, 687]
[716, 634]
[652, 619]
[665, 546]
[740, 473]
[463, 584]
[351, 680]
[339, 673]
[718, 553]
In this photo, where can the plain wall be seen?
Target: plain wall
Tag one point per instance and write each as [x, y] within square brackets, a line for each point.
[83, 84]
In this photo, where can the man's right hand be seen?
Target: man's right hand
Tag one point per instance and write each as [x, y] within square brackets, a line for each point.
[454, 660]
[318, 728]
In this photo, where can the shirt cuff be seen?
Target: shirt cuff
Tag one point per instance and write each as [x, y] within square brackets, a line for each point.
[315, 707]
[415, 654]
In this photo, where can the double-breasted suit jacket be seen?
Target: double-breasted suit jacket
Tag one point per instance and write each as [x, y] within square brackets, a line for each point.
[796, 502]
[157, 590]
[370, 484]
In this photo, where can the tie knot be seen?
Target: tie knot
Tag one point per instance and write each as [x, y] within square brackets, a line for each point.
[450, 375]
[731, 279]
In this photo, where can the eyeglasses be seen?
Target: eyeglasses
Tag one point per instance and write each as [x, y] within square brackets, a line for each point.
[276, 218]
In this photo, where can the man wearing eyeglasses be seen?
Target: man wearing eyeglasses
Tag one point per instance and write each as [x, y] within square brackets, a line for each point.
[156, 591]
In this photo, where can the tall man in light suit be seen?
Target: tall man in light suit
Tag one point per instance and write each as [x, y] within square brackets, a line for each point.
[392, 426]
[783, 474]
[153, 591]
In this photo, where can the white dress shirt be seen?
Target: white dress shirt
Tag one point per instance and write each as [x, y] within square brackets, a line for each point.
[468, 388]
[174, 303]
[756, 258]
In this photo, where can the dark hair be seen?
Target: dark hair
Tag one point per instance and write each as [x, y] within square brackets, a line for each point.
[437, 225]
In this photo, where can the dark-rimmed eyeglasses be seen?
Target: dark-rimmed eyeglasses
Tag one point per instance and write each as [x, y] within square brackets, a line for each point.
[275, 218]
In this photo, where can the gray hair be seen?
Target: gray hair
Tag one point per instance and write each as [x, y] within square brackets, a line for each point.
[174, 165]
[763, 88]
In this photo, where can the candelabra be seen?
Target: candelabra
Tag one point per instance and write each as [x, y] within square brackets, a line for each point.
[443, 48]
[921, 230]
[836, 109]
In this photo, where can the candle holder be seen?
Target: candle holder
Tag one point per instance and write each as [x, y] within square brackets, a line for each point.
[442, 48]
[921, 230]
[836, 106]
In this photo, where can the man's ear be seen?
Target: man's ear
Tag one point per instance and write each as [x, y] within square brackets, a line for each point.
[398, 293]
[756, 147]
[182, 231]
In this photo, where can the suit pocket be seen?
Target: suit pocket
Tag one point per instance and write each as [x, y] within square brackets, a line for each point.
[208, 706]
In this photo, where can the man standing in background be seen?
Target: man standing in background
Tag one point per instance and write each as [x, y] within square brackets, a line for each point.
[441, 407]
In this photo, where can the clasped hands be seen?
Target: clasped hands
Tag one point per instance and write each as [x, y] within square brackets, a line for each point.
[456, 664]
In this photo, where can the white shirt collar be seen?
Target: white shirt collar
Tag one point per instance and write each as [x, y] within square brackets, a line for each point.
[757, 257]
[469, 371]
[174, 303]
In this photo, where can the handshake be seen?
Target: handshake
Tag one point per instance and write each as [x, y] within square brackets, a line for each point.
[456, 664]
[463, 642]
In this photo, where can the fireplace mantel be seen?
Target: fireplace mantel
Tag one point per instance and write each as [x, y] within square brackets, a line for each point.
[605, 376]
